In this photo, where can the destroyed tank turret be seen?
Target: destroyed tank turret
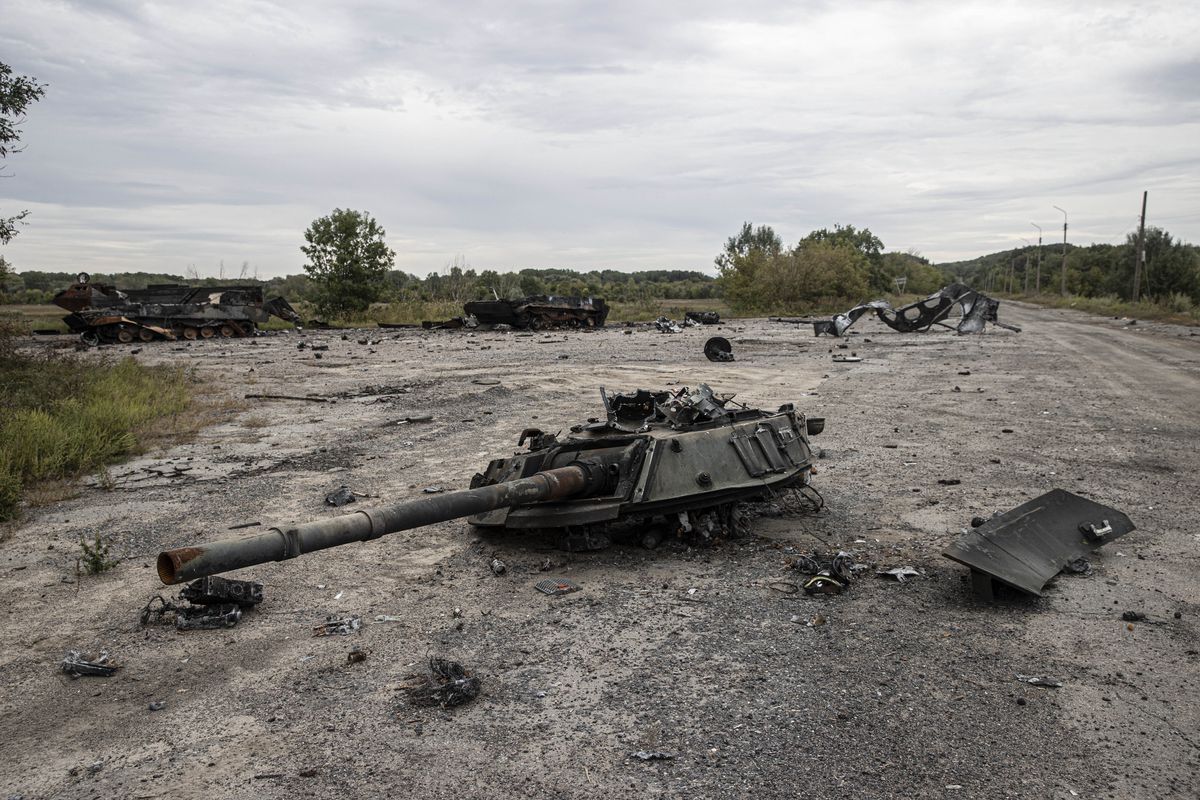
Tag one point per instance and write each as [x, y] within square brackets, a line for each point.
[101, 313]
[660, 464]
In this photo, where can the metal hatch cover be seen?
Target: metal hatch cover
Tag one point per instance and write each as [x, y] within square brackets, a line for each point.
[1030, 544]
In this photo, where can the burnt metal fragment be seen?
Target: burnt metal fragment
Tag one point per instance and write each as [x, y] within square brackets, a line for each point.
[718, 348]
[975, 309]
[1027, 546]
[557, 586]
[76, 664]
[338, 627]
[447, 684]
[340, 497]
[211, 590]
[208, 617]
[703, 317]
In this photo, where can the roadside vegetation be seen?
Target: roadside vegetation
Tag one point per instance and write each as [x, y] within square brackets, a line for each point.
[64, 416]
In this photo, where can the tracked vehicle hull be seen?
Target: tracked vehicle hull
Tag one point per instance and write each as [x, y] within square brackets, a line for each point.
[103, 314]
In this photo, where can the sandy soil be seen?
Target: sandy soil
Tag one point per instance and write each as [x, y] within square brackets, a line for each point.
[905, 691]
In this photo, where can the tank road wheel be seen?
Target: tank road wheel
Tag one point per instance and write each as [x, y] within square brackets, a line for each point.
[146, 335]
[189, 333]
[124, 336]
[226, 331]
[90, 338]
[206, 332]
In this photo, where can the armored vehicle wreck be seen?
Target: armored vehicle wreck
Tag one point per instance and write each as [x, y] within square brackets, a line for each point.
[540, 311]
[101, 313]
[660, 464]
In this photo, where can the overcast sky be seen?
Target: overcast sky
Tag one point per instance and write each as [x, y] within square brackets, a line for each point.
[627, 135]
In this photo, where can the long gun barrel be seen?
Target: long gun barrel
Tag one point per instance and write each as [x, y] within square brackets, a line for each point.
[188, 563]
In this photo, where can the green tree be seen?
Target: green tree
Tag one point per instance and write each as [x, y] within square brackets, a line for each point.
[864, 242]
[348, 261]
[745, 257]
[17, 92]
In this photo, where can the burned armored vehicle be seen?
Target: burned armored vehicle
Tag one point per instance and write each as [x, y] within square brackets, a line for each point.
[660, 464]
[540, 311]
[101, 313]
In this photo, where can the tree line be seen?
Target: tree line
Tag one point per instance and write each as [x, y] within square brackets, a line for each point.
[1171, 277]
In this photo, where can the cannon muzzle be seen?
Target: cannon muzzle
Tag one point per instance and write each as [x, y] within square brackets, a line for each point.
[188, 563]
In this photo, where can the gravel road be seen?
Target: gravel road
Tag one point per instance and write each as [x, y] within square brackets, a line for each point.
[888, 690]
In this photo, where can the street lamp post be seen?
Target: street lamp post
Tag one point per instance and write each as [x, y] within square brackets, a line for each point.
[1063, 290]
[1038, 288]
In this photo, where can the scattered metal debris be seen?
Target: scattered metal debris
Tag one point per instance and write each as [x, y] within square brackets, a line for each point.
[77, 664]
[1078, 566]
[333, 626]
[667, 325]
[1133, 616]
[557, 586]
[1027, 546]
[434, 489]
[498, 567]
[1038, 680]
[718, 348]
[651, 755]
[447, 684]
[241, 525]
[213, 617]
[703, 317]
[357, 655]
[157, 705]
[826, 576]
[975, 310]
[341, 496]
[413, 420]
[212, 590]
[850, 359]
[215, 603]
[901, 574]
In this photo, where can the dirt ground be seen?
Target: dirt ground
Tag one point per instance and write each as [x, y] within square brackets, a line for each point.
[904, 691]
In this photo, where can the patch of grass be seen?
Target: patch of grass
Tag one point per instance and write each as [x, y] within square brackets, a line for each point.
[64, 416]
[255, 421]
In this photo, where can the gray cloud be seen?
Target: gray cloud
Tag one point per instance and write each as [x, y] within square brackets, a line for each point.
[617, 134]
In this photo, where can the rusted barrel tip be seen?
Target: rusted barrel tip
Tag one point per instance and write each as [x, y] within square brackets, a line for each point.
[170, 561]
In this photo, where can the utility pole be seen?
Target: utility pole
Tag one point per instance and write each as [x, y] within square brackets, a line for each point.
[1038, 289]
[1140, 263]
[1063, 290]
[1025, 265]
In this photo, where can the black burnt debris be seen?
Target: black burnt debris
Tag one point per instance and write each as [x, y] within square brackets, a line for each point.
[448, 683]
[975, 309]
[208, 603]
[1027, 546]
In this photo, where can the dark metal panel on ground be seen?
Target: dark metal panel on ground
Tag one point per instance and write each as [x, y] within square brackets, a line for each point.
[1030, 544]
